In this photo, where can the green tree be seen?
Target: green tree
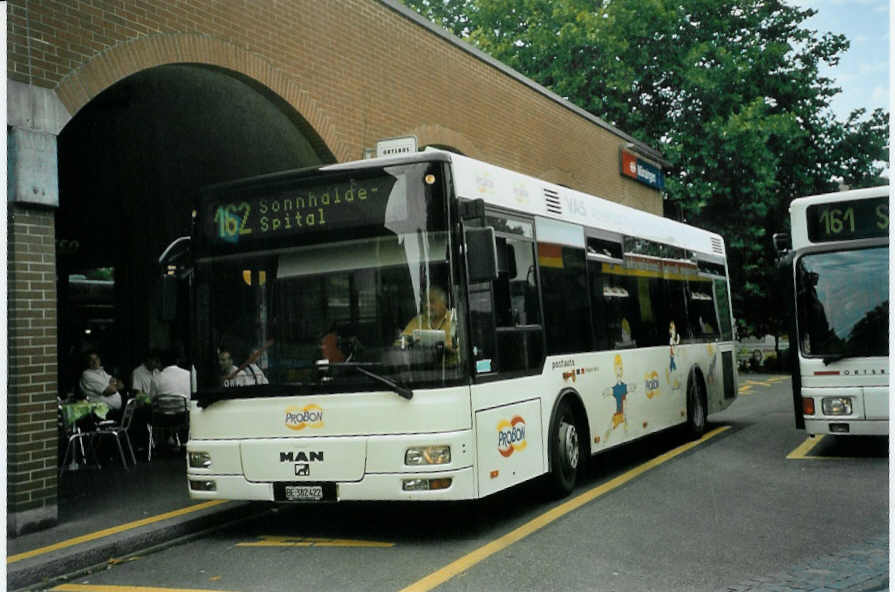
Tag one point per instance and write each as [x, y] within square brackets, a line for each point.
[728, 90]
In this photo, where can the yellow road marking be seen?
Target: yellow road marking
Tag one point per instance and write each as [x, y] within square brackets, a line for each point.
[114, 530]
[469, 560]
[99, 588]
[743, 390]
[287, 541]
[777, 378]
[804, 448]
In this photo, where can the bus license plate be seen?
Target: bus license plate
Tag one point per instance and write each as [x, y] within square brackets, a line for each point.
[298, 493]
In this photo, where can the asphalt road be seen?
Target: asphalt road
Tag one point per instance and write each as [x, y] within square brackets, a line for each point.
[751, 507]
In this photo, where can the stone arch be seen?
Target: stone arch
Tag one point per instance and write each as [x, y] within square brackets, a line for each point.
[82, 85]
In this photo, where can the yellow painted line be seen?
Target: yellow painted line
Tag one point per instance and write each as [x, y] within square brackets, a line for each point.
[467, 561]
[114, 530]
[99, 588]
[777, 378]
[286, 541]
[744, 389]
[804, 448]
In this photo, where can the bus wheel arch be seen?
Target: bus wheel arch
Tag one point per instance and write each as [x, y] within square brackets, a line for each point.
[697, 403]
[568, 432]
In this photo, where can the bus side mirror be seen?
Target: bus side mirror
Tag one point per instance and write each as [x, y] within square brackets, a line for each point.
[168, 298]
[481, 254]
[782, 242]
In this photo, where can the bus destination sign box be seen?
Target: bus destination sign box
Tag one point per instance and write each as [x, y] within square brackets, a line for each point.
[279, 210]
[848, 220]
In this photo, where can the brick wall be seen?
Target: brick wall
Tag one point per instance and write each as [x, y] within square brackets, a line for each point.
[31, 413]
[357, 70]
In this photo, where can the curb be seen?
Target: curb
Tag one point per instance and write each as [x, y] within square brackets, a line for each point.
[40, 570]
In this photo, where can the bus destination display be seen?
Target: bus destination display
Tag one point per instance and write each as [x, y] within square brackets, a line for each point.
[846, 220]
[278, 211]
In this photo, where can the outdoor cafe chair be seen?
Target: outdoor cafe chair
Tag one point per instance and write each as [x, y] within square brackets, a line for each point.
[78, 440]
[169, 413]
[119, 431]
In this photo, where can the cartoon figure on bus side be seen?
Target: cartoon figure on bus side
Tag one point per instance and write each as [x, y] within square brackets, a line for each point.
[619, 391]
[673, 340]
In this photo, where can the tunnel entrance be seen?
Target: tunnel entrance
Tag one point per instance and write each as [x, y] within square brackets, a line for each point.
[130, 164]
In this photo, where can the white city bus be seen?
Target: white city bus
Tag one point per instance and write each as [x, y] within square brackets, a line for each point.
[572, 324]
[839, 268]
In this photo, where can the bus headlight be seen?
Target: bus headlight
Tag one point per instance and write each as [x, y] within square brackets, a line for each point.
[428, 455]
[200, 460]
[837, 405]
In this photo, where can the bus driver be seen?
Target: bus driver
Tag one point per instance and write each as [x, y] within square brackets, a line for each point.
[437, 316]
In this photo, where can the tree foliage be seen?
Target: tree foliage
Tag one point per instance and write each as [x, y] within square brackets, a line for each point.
[729, 91]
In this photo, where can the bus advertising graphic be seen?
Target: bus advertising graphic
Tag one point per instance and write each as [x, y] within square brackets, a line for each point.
[511, 436]
[310, 416]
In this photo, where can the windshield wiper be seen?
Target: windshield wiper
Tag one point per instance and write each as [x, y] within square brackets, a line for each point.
[359, 366]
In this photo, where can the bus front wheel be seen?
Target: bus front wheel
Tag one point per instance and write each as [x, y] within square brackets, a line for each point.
[565, 451]
[696, 407]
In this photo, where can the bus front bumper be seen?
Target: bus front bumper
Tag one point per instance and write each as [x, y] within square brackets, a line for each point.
[845, 427]
[372, 487]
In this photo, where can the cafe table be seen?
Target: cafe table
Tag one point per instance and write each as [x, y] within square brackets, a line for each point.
[75, 410]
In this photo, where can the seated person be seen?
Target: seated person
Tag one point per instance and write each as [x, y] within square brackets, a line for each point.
[329, 348]
[141, 377]
[436, 317]
[246, 374]
[337, 348]
[172, 380]
[98, 385]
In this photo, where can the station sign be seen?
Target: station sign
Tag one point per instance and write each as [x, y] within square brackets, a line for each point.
[641, 170]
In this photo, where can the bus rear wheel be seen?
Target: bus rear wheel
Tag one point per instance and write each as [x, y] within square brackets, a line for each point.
[696, 407]
[565, 451]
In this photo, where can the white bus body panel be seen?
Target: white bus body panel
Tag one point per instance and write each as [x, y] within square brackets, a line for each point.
[379, 412]
[355, 439]
[864, 380]
[505, 188]
[510, 445]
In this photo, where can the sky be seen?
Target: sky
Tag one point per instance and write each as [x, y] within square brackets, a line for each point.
[863, 71]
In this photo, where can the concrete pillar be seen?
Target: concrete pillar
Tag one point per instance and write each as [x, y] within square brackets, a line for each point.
[35, 116]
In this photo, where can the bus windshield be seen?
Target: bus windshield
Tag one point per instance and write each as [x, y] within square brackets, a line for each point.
[843, 303]
[357, 307]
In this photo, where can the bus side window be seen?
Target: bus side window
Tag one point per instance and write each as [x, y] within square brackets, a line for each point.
[566, 303]
[722, 301]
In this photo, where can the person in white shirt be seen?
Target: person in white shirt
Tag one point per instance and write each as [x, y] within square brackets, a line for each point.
[98, 385]
[141, 377]
[172, 380]
[231, 375]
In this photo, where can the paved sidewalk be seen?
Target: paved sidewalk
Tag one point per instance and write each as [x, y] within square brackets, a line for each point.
[108, 513]
[863, 568]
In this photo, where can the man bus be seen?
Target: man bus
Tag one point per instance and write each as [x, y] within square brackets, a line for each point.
[569, 325]
[839, 270]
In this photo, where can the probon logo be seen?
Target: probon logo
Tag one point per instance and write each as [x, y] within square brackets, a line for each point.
[652, 384]
[511, 436]
[310, 416]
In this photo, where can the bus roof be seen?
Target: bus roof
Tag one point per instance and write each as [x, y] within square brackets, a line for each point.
[475, 179]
